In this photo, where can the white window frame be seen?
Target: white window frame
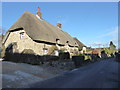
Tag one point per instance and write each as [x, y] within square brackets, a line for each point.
[45, 51]
[22, 34]
[58, 41]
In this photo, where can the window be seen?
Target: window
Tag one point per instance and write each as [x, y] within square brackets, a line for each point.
[58, 41]
[45, 51]
[67, 43]
[56, 53]
[21, 35]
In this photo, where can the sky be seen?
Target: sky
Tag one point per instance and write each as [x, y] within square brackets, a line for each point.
[92, 23]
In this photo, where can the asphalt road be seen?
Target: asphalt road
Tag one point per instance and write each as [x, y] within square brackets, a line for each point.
[102, 74]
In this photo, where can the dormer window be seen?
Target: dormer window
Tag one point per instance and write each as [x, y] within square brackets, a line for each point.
[67, 43]
[58, 41]
[22, 35]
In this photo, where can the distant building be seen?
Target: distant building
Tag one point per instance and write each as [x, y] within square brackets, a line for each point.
[81, 47]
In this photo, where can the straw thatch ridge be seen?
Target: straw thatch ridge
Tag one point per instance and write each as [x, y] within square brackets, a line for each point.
[41, 30]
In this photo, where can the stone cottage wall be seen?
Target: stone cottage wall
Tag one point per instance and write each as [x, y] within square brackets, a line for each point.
[27, 43]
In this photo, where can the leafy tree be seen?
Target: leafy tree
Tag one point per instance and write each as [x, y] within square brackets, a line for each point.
[112, 46]
[107, 50]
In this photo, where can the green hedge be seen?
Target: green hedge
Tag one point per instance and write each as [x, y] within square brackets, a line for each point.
[29, 58]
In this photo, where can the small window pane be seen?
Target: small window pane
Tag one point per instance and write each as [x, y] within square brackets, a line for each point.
[22, 35]
[45, 51]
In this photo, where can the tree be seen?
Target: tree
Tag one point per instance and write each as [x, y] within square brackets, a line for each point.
[111, 43]
[112, 46]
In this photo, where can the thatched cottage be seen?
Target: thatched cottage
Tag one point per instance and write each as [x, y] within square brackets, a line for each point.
[34, 33]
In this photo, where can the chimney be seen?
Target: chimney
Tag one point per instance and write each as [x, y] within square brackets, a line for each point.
[59, 25]
[39, 13]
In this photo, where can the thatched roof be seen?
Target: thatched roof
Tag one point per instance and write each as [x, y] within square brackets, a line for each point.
[41, 30]
[80, 44]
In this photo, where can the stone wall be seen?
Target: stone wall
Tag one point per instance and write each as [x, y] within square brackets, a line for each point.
[25, 42]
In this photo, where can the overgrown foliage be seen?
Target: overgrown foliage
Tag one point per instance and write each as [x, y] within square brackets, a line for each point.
[29, 58]
[28, 51]
[64, 55]
[52, 49]
[62, 50]
[112, 46]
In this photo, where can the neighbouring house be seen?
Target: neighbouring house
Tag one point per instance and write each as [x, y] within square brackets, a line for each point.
[81, 47]
[34, 33]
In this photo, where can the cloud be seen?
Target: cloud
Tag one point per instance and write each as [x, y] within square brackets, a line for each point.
[99, 44]
[112, 34]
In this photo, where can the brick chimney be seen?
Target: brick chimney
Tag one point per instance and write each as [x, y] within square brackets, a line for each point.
[59, 25]
[39, 13]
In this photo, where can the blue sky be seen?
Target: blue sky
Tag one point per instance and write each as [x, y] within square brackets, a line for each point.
[91, 22]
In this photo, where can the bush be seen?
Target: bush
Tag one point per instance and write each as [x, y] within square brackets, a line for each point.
[62, 50]
[78, 60]
[103, 54]
[28, 51]
[29, 58]
[95, 57]
[64, 55]
[52, 49]
[23, 58]
[87, 57]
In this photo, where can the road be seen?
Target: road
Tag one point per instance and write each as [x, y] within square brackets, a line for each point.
[101, 74]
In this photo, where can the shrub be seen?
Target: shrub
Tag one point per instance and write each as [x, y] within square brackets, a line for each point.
[29, 58]
[28, 51]
[23, 58]
[103, 54]
[87, 57]
[78, 60]
[64, 55]
[62, 50]
[52, 49]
